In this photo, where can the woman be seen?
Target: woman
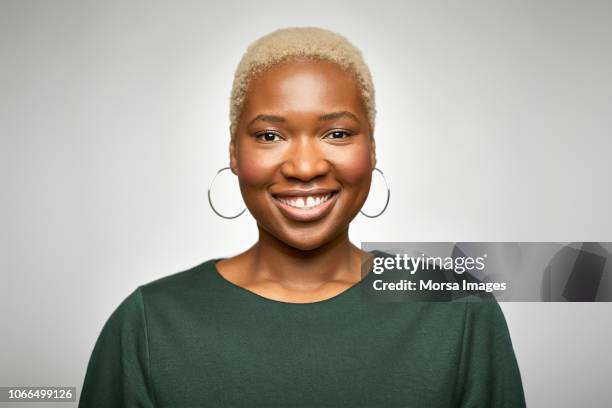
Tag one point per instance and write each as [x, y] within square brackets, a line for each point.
[282, 324]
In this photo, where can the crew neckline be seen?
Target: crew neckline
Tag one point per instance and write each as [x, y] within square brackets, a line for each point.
[257, 296]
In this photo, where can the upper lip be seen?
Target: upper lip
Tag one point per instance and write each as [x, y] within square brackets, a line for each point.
[304, 193]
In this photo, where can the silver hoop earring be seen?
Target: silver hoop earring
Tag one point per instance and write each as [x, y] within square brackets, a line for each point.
[388, 196]
[210, 200]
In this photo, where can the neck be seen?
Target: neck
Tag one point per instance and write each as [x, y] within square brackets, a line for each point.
[336, 260]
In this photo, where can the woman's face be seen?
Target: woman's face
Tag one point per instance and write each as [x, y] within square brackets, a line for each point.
[303, 152]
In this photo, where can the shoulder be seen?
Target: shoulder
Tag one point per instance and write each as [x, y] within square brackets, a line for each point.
[484, 318]
[481, 305]
[193, 281]
[194, 275]
[125, 333]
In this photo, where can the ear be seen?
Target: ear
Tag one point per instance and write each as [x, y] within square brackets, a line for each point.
[232, 153]
[373, 152]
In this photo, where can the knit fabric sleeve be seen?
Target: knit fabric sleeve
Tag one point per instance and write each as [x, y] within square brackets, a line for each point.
[118, 373]
[489, 375]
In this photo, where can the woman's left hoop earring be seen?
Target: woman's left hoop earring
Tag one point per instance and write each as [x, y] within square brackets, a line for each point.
[388, 196]
[210, 200]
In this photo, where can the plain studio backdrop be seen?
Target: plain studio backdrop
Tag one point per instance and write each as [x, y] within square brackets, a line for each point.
[493, 125]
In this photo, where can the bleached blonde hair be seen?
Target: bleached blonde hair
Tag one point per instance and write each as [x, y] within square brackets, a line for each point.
[310, 42]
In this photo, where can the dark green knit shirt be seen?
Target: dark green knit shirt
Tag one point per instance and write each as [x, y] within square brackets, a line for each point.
[194, 339]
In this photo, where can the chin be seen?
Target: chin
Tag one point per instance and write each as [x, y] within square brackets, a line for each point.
[305, 247]
[308, 240]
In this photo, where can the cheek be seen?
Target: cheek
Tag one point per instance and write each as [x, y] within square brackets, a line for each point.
[253, 170]
[354, 165]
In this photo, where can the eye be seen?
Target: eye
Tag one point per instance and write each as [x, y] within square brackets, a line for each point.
[268, 137]
[338, 135]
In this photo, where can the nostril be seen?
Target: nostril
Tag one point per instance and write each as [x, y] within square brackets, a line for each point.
[305, 167]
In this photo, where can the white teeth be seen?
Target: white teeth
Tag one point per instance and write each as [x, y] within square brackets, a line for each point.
[310, 201]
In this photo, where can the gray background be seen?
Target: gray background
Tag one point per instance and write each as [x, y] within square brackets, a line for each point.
[494, 125]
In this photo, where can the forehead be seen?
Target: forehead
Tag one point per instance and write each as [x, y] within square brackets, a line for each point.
[303, 85]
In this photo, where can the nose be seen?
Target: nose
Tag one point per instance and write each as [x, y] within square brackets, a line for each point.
[305, 160]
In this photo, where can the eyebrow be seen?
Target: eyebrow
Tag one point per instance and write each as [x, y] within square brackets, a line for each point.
[324, 117]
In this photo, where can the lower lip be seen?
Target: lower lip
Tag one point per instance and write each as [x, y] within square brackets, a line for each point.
[307, 214]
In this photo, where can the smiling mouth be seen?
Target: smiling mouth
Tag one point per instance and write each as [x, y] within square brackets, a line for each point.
[307, 202]
[305, 207]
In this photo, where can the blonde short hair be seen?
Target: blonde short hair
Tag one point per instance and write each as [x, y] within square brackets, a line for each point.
[310, 42]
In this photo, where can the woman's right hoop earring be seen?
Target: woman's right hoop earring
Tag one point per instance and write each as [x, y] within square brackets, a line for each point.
[388, 196]
[210, 200]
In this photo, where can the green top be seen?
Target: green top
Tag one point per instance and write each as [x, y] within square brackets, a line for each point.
[194, 339]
